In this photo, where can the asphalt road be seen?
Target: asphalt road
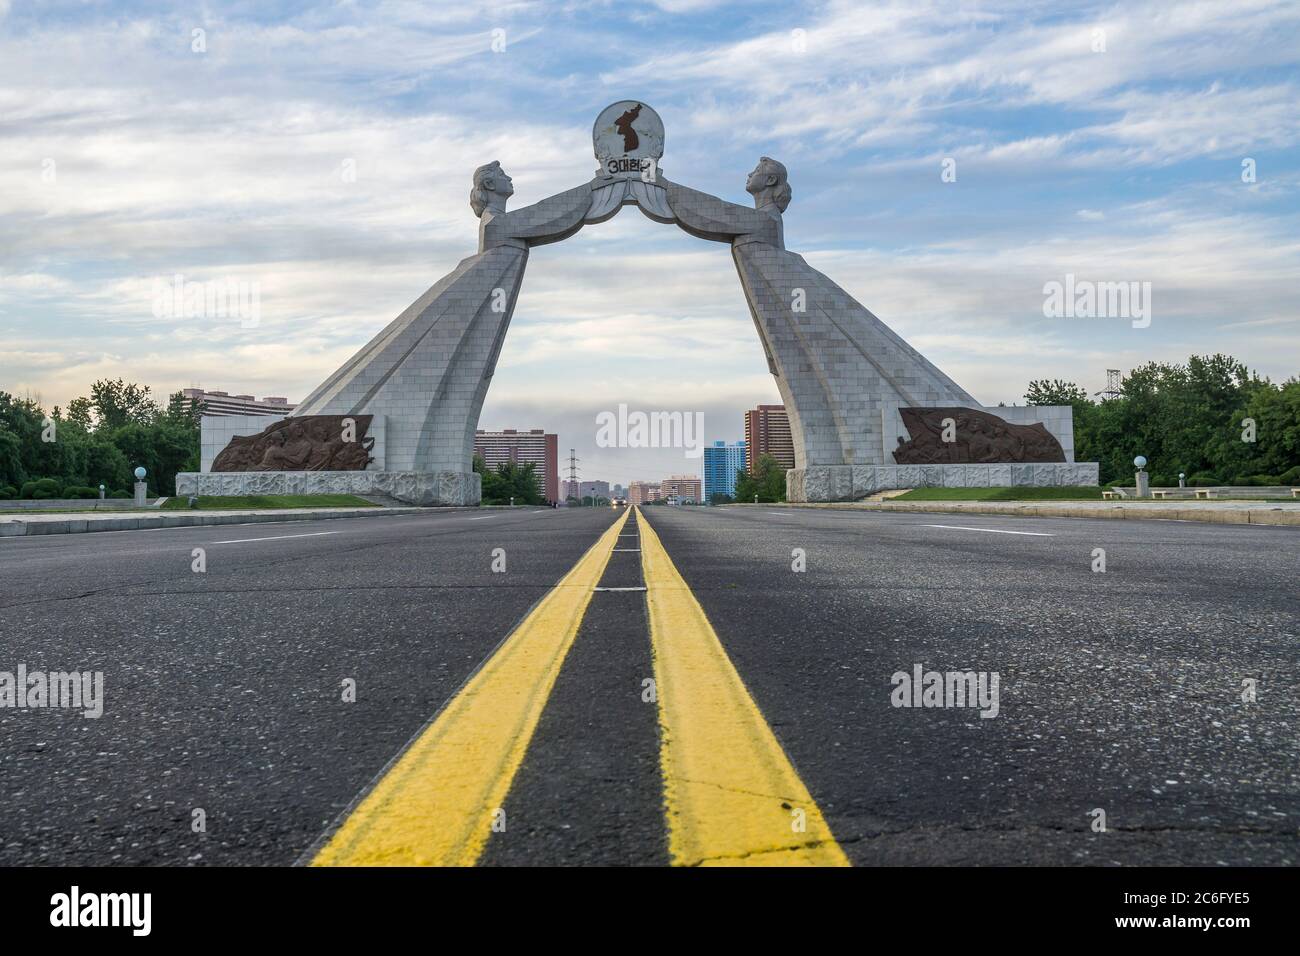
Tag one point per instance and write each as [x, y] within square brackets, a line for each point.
[1119, 691]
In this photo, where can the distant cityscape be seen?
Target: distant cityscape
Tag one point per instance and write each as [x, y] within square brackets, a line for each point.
[766, 430]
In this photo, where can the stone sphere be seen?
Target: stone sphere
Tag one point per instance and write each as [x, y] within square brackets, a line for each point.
[139, 474]
[1140, 461]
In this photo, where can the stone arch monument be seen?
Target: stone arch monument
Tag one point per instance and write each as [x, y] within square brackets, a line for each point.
[867, 411]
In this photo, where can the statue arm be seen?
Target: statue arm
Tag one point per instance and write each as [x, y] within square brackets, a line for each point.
[550, 220]
[709, 217]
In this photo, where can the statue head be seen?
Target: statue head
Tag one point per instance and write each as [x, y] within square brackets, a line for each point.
[492, 187]
[769, 184]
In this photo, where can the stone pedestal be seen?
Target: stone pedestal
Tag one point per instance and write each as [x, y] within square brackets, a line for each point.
[412, 487]
[141, 494]
[852, 482]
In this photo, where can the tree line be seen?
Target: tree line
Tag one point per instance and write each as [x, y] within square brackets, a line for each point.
[1211, 418]
[100, 438]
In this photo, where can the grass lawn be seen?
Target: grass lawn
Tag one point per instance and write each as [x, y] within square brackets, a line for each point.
[1001, 494]
[241, 502]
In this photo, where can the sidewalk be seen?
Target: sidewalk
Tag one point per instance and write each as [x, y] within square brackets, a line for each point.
[1213, 512]
[82, 522]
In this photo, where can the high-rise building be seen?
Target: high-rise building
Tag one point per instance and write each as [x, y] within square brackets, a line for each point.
[223, 403]
[682, 488]
[721, 462]
[642, 492]
[534, 447]
[767, 432]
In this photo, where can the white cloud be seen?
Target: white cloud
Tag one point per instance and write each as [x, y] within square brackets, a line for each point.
[229, 165]
[867, 71]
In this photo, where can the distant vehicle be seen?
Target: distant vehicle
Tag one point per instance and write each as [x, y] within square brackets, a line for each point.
[618, 502]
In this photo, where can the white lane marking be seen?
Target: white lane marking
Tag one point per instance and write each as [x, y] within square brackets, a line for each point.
[618, 589]
[783, 514]
[277, 537]
[953, 527]
[482, 517]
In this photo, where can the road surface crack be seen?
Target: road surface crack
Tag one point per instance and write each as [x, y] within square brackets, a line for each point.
[792, 848]
[792, 801]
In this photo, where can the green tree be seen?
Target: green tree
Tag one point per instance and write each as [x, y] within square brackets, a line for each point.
[12, 471]
[37, 458]
[81, 413]
[184, 411]
[99, 439]
[1055, 392]
[1058, 392]
[106, 465]
[117, 403]
[20, 432]
[1275, 415]
[768, 481]
[509, 480]
[1185, 418]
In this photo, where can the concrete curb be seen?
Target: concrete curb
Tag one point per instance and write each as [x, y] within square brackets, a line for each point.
[1131, 511]
[17, 507]
[186, 519]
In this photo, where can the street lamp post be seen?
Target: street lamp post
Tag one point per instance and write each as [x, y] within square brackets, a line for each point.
[141, 489]
[1182, 479]
[101, 492]
[1142, 479]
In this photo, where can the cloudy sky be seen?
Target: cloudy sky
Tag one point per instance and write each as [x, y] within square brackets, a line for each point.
[322, 152]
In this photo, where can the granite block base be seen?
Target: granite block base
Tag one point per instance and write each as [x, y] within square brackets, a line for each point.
[851, 482]
[411, 487]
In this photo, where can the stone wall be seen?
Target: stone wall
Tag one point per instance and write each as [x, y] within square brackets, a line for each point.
[417, 488]
[851, 482]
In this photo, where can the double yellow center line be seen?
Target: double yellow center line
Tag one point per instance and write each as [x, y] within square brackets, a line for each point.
[435, 805]
[731, 795]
